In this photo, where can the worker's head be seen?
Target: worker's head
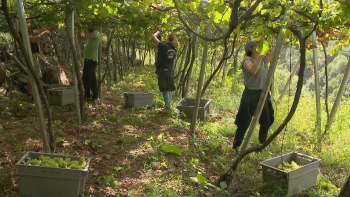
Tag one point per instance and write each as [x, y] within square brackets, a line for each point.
[173, 40]
[29, 25]
[250, 47]
[92, 26]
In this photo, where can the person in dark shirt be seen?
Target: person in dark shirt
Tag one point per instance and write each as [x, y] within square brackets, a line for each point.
[165, 65]
[34, 36]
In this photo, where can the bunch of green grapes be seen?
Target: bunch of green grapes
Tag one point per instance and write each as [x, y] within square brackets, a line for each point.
[285, 166]
[33, 162]
[57, 162]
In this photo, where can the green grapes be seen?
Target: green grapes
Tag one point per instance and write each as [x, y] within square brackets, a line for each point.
[34, 162]
[75, 165]
[285, 166]
[58, 162]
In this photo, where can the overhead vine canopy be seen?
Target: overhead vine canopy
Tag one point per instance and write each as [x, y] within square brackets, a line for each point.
[260, 19]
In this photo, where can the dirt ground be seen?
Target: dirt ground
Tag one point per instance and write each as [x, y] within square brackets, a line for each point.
[120, 141]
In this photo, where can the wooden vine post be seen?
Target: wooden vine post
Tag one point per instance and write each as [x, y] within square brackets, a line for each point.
[75, 79]
[37, 101]
[100, 63]
[200, 82]
[295, 68]
[272, 86]
[339, 96]
[109, 72]
[317, 95]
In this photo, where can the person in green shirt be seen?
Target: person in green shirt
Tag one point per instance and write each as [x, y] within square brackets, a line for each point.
[93, 37]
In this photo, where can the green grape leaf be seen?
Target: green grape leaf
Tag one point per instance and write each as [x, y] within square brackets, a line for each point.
[201, 178]
[259, 29]
[264, 11]
[217, 17]
[59, 139]
[18, 149]
[104, 13]
[87, 142]
[173, 149]
[223, 185]
[231, 72]
[263, 47]
[163, 164]
[237, 30]
[226, 16]
[165, 19]
[284, 31]
[193, 5]
[148, 2]
[258, 8]
[203, 6]
[223, 28]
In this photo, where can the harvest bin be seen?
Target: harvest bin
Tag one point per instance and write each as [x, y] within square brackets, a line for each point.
[58, 94]
[186, 105]
[138, 99]
[290, 182]
[39, 181]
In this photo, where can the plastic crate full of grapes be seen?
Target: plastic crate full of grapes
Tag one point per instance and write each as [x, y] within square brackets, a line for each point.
[290, 172]
[52, 175]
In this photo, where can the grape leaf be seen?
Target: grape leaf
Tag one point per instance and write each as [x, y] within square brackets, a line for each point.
[201, 178]
[223, 185]
[173, 149]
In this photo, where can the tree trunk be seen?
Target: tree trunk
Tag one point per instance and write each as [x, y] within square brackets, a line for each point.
[200, 83]
[181, 83]
[211, 77]
[187, 79]
[115, 69]
[77, 80]
[317, 95]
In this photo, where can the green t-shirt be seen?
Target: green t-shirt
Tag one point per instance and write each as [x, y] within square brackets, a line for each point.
[91, 47]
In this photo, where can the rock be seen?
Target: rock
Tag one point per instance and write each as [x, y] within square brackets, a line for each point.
[108, 156]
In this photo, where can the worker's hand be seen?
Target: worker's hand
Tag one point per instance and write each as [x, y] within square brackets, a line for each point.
[54, 27]
[45, 33]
